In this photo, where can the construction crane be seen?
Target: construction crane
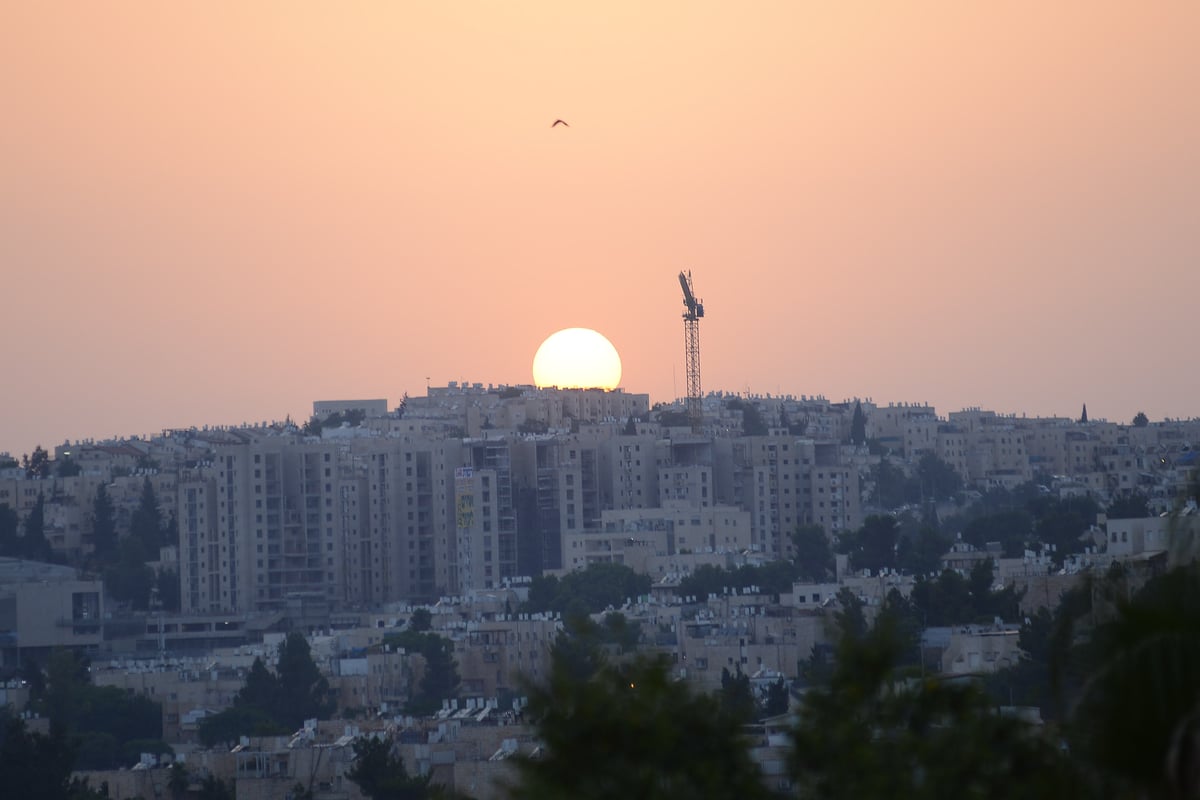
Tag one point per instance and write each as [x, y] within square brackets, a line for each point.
[693, 311]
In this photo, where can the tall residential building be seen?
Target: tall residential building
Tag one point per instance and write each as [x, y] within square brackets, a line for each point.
[633, 471]
[410, 511]
[559, 484]
[485, 516]
[785, 482]
[261, 523]
[768, 482]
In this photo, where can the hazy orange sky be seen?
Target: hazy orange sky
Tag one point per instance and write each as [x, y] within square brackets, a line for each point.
[214, 213]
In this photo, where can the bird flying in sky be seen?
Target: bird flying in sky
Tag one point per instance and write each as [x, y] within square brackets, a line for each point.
[559, 122]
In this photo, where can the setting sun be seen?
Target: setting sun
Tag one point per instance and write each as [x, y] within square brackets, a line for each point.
[577, 358]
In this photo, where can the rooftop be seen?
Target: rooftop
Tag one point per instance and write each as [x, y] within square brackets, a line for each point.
[17, 570]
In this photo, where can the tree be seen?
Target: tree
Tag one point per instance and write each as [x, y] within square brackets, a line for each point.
[33, 765]
[813, 556]
[753, 423]
[66, 679]
[1131, 506]
[534, 426]
[673, 418]
[227, 726]
[795, 428]
[36, 465]
[920, 551]
[279, 702]
[260, 691]
[618, 631]
[705, 580]
[871, 733]
[440, 679]
[777, 701]
[129, 580]
[179, 780]
[582, 645]
[945, 600]
[543, 590]
[577, 653]
[1037, 678]
[124, 723]
[1143, 682]
[772, 578]
[104, 525]
[592, 590]
[128, 716]
[858, 425]
[1083, 417]
[1140, 420]
[873, 546]
[736, 696]
[633, 731]
[951, 599]
[939, 480]
[35, 545]
[66, 467]
[380, 774]
[900, 614]
[167, 583]
[351, 418]
[893, 487]
[421, 620]
[989, 604]
[304, 692]
[10, 542]
[213, 788]
[170, 531]
[146, 524]
[106, 725]
[1012, 528]
[849, 620]
[1062, 523]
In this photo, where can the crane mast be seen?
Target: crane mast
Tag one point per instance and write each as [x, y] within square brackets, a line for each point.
[693, 311]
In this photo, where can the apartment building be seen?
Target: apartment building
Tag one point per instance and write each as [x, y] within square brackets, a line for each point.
[832, 498]
[634, 471]
[785, 482]
[44, 606]
[411, 551]
[563, 483]
[495, 655]
[485, 516]
[648, 540]
[910, 428]
[261, 523]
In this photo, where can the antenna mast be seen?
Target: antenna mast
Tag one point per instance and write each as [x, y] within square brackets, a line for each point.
[693, 311]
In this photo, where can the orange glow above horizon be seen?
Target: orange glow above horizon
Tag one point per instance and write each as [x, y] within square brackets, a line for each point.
[218, 214]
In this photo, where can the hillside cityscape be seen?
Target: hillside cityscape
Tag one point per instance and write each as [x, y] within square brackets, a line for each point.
[512, 591]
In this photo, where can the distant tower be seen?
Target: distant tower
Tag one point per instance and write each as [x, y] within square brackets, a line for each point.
[693, 311]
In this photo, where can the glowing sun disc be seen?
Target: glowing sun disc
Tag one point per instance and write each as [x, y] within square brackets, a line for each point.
[577, 358]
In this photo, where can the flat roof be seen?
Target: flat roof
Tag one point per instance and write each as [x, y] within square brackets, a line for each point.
[19, 570]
